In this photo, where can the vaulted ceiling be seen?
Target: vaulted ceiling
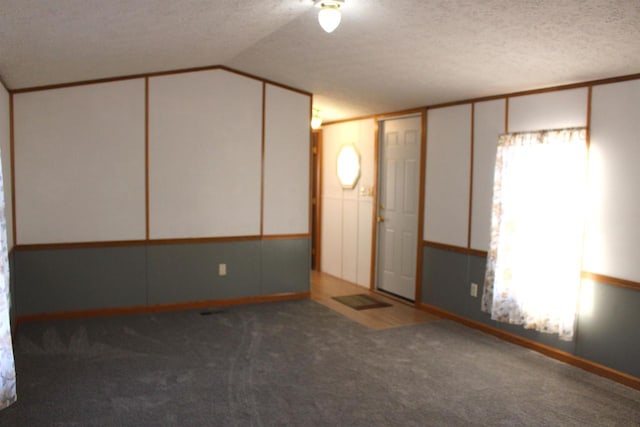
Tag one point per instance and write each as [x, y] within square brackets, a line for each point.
[387, 55]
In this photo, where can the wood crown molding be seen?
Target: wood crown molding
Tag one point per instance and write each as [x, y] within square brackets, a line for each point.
[506, 96]
[378, 117]
[354, 119]
[155, 74]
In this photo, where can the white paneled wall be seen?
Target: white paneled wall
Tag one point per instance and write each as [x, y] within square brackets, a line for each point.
[446, 213]
[331, 238]
[205, 143]
[551, 110]
[489, 122]
[286, 162]
[81, 166]
[80, 163]
[347, 214]
[350, 239]
[613, 206]
[613, 213]
[447, 186]
[5, 152]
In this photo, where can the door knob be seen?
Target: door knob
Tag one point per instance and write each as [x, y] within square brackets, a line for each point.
[380, 219]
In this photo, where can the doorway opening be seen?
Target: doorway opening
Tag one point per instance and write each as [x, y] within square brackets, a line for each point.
[316, 192]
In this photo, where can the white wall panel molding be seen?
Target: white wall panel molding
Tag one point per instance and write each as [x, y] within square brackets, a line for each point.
[489, 123]
[446, 213]
[365, 242]
[205, 155]
[331, 239]
[350, 240]
[286, 161]
[548, 110]
[80, 163]
[613, 212]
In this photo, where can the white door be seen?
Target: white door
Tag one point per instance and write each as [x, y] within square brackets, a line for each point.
[398, 196]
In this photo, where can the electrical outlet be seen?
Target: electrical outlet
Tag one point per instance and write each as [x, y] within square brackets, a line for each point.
[222, 269]
[474, 290]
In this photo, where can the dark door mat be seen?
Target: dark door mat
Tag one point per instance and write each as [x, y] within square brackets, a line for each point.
[361, 302]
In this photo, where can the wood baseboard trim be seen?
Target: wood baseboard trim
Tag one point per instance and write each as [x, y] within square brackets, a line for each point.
[587, 365]
[119, 311]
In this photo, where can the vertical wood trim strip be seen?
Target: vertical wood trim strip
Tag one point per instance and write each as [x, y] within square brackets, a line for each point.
[319, 177]
[147, 178]
[471, 136]
[264, 115]
[374, 224]
[423, 162]
[12, 156]
[311, 162]
[146, 156]
[506, 115]
[589, 98]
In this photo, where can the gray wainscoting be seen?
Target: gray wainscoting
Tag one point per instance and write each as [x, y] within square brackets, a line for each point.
[286, 266]
[56, 280]
[608, 335]
[12, 291]
[75, 279]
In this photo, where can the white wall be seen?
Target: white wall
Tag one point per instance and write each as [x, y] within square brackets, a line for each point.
[80, 163]
[613, 214]
[489, 122]
[613, 209]
[347, 214]
[205, 144]
[551, 110]
[447, 178]
[80, 159]
[5, 152]
[286, 162]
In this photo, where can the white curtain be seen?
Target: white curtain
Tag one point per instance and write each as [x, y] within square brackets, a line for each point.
[7, 370]
[534, 261]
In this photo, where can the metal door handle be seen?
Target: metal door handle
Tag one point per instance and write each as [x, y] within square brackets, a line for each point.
[380, 219]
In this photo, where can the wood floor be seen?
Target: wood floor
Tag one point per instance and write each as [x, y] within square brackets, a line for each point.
[324, 286]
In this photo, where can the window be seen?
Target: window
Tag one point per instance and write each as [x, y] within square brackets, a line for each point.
[534, 261]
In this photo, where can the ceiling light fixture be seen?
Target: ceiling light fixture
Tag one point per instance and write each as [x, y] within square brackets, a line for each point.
[316, 120]
[329, 15]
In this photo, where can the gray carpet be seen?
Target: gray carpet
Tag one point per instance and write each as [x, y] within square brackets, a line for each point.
[294, 363]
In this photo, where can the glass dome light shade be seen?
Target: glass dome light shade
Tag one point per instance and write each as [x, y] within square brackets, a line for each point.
[329, 18]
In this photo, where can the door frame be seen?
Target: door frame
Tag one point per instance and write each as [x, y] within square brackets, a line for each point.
[374, 224]
[316, 199]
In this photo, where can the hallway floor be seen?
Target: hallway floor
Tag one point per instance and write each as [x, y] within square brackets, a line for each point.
[325, 286]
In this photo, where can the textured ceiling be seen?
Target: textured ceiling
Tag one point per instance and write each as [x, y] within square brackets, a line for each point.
[385, 56]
